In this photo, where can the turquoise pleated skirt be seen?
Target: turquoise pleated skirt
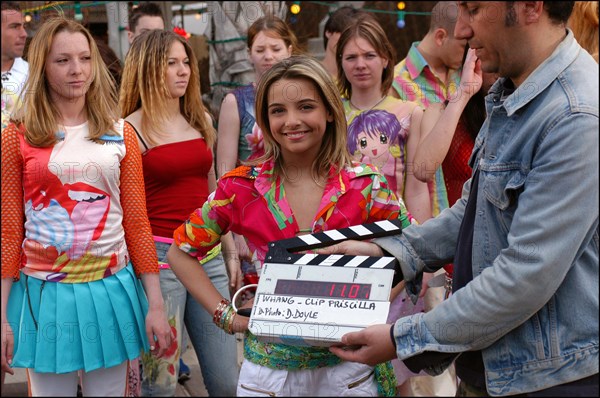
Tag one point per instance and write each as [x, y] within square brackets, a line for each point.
[73, 326]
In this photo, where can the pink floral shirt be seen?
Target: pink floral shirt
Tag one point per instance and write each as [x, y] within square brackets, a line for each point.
[251, 201]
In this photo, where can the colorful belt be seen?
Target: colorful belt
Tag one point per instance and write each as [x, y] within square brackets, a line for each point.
[214, 252]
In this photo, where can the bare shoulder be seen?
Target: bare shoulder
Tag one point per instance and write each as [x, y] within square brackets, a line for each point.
[209, 118]
[402, 108]
[135, 119]
[229, 109]
[229, 100]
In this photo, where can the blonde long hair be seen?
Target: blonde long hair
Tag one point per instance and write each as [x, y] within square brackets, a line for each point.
[584, 23]
[39, 114]
[144, 85]
[334, 150]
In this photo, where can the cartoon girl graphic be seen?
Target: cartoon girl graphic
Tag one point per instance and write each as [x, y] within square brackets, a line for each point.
[377, 137]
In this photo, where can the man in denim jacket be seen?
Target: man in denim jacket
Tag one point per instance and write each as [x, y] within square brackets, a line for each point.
[524, 240]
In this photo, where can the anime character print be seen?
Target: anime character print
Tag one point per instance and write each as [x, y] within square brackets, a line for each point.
[377, 137]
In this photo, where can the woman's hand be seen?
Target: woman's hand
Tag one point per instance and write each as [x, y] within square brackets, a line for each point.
[232, 262]
[471, 78]
[158, 331]
[242, 248]
[8, 341]
[8, 338]
[234, 271]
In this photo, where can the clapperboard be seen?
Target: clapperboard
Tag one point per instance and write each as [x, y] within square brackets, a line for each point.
[314, 299]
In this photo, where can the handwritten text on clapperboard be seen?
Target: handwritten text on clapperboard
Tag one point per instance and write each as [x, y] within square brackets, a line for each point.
[319, 310]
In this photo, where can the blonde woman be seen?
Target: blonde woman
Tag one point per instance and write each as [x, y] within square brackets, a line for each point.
[75, 234]
[270, 40]
[160, 100]
[304, 183]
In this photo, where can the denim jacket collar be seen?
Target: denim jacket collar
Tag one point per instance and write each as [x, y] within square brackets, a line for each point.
[547, 72]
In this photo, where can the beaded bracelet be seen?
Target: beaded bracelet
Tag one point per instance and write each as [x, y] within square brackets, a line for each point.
[226, 314]
[228, 321]
[223, 316]
[230, 329]
[218, 314]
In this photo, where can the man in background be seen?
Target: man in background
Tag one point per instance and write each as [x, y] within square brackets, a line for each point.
[145, 17]
[14, 68]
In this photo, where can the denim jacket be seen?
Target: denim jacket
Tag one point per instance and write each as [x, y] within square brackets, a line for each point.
[532, 306]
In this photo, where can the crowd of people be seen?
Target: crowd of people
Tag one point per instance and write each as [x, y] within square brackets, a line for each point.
[131, 216]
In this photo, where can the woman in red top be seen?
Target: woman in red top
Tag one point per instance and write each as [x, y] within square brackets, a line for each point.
[160, 97]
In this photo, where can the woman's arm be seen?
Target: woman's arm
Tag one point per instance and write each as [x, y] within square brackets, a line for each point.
[138, 237]
[230, 255]
[232, 261]
[416, 192]
[12, 231]
[12, 209]
[228, 135]
[157, 324]
[198, 284]
[7, 333]
[439, 124]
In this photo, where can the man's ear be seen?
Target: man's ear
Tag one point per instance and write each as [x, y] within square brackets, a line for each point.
[533, 11]
[129, 36]
[440, 36]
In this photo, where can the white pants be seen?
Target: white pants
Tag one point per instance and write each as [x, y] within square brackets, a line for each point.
[346, 379]
[443, 385]
[111, 382]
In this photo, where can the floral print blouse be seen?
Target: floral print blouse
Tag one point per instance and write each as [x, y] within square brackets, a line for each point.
[251, 201]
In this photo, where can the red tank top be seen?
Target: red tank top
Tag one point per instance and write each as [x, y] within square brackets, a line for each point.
[456, 164]
[176, 179]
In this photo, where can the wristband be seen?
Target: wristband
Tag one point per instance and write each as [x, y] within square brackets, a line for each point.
[392, 336]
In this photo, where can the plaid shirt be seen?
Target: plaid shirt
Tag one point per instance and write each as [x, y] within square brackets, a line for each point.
[415, 81]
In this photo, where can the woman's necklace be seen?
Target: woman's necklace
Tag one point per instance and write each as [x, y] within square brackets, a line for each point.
[374, 105]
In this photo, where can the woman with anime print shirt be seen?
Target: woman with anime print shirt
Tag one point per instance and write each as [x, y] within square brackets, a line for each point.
[382, 130]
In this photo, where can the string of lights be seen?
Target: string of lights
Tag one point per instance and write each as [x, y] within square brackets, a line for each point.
[295, 9]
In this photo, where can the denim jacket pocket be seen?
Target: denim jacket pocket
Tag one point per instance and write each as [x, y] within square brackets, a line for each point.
[502, 187]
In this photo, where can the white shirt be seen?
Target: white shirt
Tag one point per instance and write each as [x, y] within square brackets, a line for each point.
[13, 81]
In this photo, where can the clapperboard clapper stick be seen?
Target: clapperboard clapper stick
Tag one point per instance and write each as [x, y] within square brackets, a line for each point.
[314, 299]
[282, 251]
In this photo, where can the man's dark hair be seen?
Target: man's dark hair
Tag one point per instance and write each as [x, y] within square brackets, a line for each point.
[340, 19]
[558, 11]
[10, 5]
[144, 9]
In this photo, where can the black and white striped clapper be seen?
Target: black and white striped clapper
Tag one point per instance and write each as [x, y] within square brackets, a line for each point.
[281, 251]
[314, 299]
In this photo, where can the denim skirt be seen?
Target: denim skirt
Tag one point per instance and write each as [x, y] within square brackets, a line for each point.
[64, 327]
